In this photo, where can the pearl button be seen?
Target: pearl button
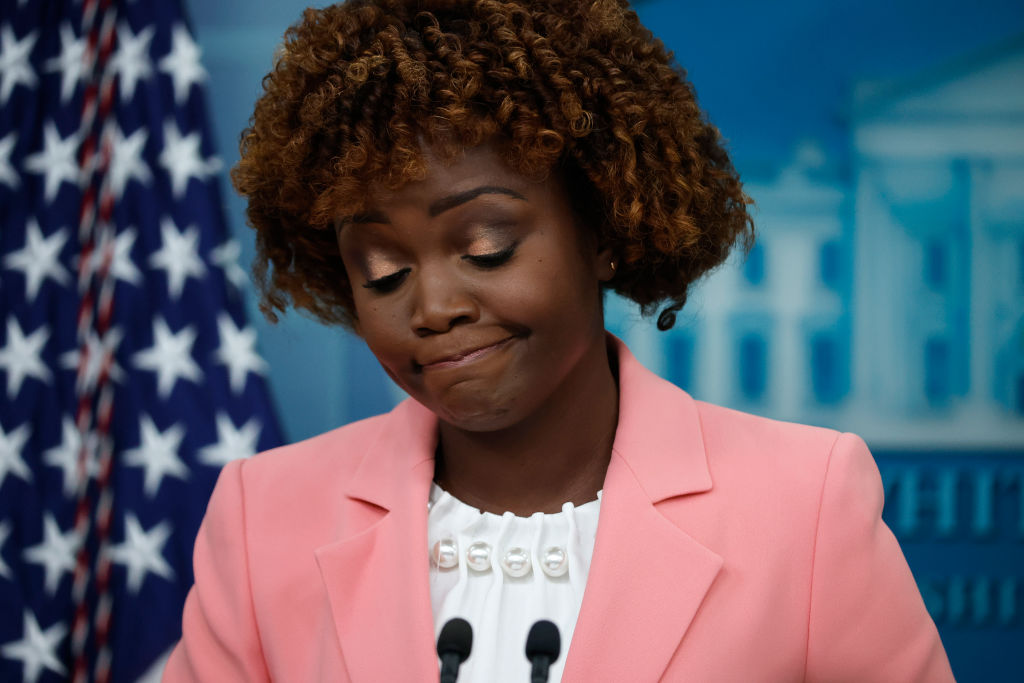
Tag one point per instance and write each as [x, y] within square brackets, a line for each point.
[516, 562]
[446, 553]
[554, 562]
[478, 556]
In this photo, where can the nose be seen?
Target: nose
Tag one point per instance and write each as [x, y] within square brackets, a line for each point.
[442, 301]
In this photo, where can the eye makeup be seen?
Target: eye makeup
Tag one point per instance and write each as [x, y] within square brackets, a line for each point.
[487, 240]
[387, 283]
[493, 258]
[377, 265]
[491, 244]
[484, 245]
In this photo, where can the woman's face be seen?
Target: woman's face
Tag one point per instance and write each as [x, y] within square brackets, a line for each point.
[476, 290]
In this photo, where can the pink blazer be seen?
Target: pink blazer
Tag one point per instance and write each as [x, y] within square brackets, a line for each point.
[730, 548]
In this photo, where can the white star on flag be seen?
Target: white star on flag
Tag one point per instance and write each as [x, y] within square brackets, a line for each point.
[39, 258]
[182, 158]
[70, 64]
[5, 531]
[178, 255]
[14, 61]
[170, 357]
[226, 256]
[131, 62]
[96, 352]
[66, 455]
[11, 444]
[157, 452]
[56, 552]
[126, 161]
[20, 356]
[141, 552]
[237, 350]
[182, 63]
[37, 649]
[56, 161]
[122, 266]
[8, 176]
[232, 443]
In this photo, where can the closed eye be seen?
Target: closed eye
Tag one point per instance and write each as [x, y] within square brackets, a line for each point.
[493, 259]
[388, 282]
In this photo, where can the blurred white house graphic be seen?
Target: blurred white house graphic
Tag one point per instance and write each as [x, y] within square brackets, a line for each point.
[888, 300]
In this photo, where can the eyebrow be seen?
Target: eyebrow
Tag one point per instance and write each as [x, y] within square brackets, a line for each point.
[440, 206]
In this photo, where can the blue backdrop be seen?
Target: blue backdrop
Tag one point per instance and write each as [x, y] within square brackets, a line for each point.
[884, 146]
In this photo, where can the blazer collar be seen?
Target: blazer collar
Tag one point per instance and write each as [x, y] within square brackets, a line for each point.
[645, 572]
[377, 574]
[648, 577]
[659, 435]
[406, 441]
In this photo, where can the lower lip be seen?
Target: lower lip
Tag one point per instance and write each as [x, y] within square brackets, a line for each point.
[469, 357]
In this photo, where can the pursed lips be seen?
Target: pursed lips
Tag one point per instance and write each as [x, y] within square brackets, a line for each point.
[464, 356]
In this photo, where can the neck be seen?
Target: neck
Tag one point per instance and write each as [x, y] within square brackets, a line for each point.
[559, 454]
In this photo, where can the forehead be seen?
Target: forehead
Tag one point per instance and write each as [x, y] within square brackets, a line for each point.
[478, 167]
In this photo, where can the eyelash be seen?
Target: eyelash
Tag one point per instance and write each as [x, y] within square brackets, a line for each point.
[494, 259]
[390, 282]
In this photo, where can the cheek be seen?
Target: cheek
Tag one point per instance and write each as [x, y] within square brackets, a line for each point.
[529, 294]
[563, 283]
[544, 299]
[378, 327]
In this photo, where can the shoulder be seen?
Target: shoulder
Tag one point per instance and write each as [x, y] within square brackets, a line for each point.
[320, 464]
[286, 500]
[329, 450]
[675, 443]
[772, 485]
[657, 416]
[782, 459]
[726, 430]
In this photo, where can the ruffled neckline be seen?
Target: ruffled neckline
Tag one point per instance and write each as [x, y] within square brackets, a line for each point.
[446, 499]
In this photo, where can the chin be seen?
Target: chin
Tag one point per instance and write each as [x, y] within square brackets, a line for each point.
[476, 418]
[472, 412]
[474, 404]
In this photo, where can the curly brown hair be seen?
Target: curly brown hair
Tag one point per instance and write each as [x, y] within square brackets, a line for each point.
[572, 86]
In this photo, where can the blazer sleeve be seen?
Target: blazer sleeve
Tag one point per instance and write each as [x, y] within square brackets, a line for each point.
[867, 619]
[220, 641]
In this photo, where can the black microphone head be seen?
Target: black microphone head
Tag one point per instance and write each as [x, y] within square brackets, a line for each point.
[543, 640]
[456, 638]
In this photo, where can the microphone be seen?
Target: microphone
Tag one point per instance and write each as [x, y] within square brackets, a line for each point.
[453, 647]
[542, 647]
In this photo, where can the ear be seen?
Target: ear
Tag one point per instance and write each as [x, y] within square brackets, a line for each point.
[605, 264]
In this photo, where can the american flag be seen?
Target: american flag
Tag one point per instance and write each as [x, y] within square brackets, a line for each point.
[128, 374]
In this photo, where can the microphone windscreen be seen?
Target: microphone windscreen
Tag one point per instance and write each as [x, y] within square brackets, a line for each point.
[456, 638]
[543, 639]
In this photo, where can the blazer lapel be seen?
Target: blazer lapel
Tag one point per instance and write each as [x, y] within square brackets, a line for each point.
[377, 574]
[648, 577]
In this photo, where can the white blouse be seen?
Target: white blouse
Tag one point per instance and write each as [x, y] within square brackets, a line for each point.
[502, 573]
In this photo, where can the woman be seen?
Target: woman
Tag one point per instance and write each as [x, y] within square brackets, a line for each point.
[459, 182]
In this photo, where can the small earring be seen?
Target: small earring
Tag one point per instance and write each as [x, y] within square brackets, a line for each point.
[612, 264]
